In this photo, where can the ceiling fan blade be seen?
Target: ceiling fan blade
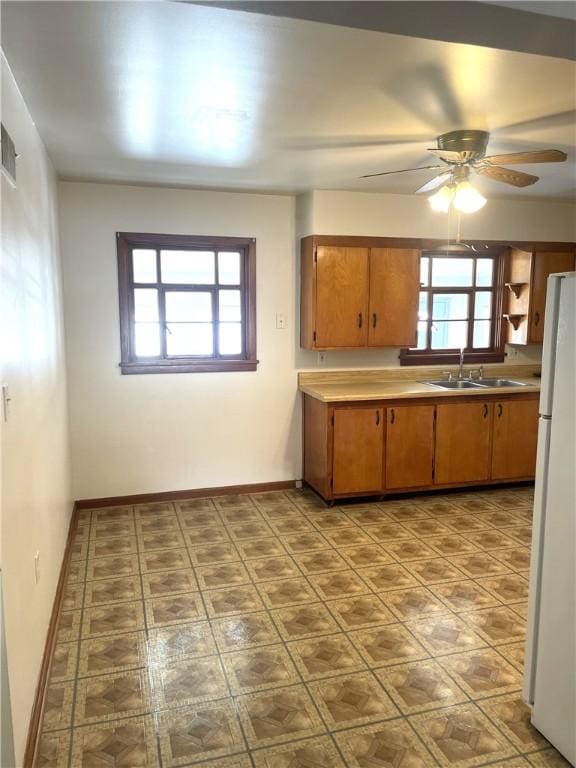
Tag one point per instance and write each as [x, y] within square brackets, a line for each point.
[544, 122]
[434, 183]
[448, 154]
[521, 158]
[515, 178]
[403, 170]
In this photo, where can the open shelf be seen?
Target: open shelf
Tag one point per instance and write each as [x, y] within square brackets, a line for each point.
[514, 320]
[515, 288]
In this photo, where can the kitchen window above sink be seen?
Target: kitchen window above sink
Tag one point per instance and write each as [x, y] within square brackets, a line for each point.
[459, 308]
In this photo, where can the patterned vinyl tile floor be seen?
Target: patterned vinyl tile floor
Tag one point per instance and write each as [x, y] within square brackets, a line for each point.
[271, 631]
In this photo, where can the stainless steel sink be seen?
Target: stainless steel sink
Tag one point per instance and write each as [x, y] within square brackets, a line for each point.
[455, 384]
[500, 383]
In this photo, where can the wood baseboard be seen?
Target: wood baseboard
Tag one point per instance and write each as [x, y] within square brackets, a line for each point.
[33, 740]
[196, 493]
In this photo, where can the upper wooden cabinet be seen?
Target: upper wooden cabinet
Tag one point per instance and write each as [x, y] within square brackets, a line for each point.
[354, 297]
[342, 276]
[393, 297]
[525, 302]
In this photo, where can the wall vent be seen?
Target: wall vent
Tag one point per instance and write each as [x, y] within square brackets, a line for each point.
[8, 157]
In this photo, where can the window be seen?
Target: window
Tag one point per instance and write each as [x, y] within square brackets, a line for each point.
[187, 304]
[460, 307]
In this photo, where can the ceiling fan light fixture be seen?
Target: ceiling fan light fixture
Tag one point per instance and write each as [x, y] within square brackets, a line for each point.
[440, 201]
[467, 199]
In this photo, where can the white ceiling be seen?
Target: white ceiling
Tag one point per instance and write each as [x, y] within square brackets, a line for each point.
[173, 93]
[564, 9]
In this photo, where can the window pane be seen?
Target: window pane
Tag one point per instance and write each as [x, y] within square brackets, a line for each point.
[481, 337]
[424, 266]
[421, 338]
[194, 267]
[484, 272]
[230, 338]
[144, 265]
[483, 305]
[455, 272]
[229, 268]
[449, 335]
[423, 306]
[229, 306]
[450, 306]
[188, 306]
[189, 339]
[145, 304]
[147, 339]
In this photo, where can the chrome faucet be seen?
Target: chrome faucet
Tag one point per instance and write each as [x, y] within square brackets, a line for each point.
[461, 366]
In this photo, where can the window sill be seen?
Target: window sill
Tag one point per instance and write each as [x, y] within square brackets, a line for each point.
[200, 366]
[450, 358]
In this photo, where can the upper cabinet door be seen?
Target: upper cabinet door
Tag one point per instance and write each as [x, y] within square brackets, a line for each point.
[545, 264]
[394, 288]
[341, 297]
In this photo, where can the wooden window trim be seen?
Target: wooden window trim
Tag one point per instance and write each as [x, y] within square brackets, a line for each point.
[130, 364]
[495, 353]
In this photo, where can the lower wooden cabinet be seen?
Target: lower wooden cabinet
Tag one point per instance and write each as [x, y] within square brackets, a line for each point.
[386, 446]
[409, 446]
[358, 450]
[514, 439]
[463, 432]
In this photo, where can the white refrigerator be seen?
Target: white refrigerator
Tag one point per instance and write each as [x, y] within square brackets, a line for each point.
[550, 670]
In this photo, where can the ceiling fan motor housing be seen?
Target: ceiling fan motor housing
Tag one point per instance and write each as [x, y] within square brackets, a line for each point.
[471, 145]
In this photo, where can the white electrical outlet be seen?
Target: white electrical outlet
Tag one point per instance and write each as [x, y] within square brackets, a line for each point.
[280, 321]
[37, 567]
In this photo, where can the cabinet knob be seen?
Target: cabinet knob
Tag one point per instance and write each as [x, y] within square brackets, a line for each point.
[485, 410]
[359, 319]
[536, 318]
[377, 418]
[499, 410]
[392, 416]
[374, 319]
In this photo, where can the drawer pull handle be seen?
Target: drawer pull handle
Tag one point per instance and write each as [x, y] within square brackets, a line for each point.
[536, 318]
[499, 410]
[485, 410]
[374, 319]
[377, 418]
[392, 416]
[359, 319]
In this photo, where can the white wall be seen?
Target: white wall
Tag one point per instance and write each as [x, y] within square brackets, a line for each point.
[382, 215]
[35, 500]
[148, 433]
[159, 432]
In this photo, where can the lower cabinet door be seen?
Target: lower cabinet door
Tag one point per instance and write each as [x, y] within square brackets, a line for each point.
[409, 446]
[463, 439]
[514, 441]
[358, 460]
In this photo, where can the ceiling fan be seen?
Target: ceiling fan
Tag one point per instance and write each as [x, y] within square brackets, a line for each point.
[463, 153]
